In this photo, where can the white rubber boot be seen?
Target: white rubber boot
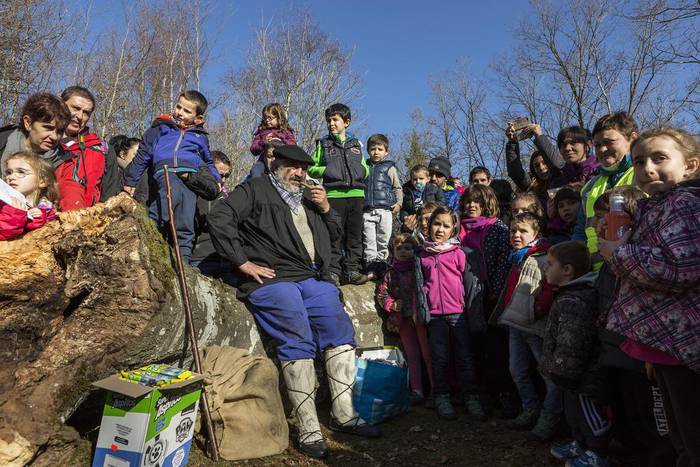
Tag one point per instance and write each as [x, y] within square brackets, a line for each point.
[300, 378]
[340, 368]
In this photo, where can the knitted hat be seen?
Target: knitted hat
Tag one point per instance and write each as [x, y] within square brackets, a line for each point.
[441, 165]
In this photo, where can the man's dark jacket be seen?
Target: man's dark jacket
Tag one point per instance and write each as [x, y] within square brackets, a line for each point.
[255, 224]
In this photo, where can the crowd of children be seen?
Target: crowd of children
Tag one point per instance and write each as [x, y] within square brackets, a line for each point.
[533, 305]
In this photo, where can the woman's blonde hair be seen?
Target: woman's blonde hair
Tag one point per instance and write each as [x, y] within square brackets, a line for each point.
[44, 174]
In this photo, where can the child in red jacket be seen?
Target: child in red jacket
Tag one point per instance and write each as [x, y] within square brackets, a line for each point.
[397, 294]
[32, 179]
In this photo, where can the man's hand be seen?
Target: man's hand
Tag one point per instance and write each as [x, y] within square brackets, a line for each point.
[410, 222]
[395, 209]
[319, 198]
[130, 190]
[256, 272]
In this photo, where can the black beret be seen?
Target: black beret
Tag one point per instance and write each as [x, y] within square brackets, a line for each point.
[293, 153]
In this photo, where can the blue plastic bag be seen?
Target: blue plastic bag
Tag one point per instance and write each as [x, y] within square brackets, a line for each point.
[381, 385]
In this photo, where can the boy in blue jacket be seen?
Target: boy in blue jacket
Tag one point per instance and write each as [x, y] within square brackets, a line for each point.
[179, 141]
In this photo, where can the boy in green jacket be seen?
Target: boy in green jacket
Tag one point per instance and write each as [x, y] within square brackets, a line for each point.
[338, 161]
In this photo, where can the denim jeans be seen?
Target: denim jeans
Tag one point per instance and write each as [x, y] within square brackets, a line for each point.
[522, 347]
[444, 330]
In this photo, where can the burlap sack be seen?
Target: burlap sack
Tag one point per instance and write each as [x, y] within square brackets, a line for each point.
[245, 403]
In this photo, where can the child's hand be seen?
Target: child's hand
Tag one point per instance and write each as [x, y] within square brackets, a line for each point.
[606, 248]
[35, 213]
[410, 222]
[651, 374]
[15, 203]
[396, 306]
[395, 209]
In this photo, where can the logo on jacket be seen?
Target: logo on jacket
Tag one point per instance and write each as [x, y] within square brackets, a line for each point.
[355, 150]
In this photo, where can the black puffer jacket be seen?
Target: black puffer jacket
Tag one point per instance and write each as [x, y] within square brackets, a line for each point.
[571, 345]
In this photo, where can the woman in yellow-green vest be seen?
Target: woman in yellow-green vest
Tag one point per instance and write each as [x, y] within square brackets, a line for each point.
[613, 135]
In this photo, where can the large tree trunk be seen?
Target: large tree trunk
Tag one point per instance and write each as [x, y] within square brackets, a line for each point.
[96, 292]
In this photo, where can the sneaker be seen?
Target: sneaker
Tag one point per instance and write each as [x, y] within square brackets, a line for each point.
[317, 449]
[546, 427]
[474, 408]
[566, 451]
[526, 420]
[588, 459]
[417, 397]
[444, 408]
[355, 278]
[509, 404]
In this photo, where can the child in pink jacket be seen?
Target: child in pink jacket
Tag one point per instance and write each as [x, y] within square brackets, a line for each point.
[452, 290]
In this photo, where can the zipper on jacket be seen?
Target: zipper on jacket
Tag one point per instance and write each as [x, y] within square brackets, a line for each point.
[177, 146]
[439, 282]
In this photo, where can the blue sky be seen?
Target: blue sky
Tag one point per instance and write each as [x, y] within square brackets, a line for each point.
[397, 46]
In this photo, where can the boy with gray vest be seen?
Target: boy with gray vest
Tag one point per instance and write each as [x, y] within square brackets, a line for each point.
[383, 198]
[338, 161]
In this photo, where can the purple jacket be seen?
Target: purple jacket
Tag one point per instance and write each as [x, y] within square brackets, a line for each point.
[658, 299]
[451, 281]
[580, 173]
[259, 139]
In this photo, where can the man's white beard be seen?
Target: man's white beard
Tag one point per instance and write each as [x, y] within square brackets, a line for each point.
[286, 184]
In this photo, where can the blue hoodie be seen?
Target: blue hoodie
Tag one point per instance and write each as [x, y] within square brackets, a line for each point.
[165, 143]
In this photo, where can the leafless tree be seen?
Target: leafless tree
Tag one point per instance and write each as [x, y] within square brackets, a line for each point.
[577, 59]
[463, 127]
[30, 50]
[299, 66]
[138, 70]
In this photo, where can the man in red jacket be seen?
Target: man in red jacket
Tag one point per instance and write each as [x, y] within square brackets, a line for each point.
[82, 164]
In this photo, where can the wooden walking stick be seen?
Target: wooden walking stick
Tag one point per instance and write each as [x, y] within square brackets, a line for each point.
[189, 326]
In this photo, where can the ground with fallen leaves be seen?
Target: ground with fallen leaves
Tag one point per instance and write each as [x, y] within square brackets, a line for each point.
[419, 438]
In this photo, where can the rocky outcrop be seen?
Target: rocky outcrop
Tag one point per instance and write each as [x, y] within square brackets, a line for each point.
[95, 292]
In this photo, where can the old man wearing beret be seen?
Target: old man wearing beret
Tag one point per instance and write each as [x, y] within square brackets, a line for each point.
[277, 230]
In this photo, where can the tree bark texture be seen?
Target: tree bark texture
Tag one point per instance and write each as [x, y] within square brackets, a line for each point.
[95, 292]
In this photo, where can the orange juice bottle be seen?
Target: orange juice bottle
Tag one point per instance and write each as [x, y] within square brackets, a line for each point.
[617, 220]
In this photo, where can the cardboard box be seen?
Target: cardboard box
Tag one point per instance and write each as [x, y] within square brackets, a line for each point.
[144, 426]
